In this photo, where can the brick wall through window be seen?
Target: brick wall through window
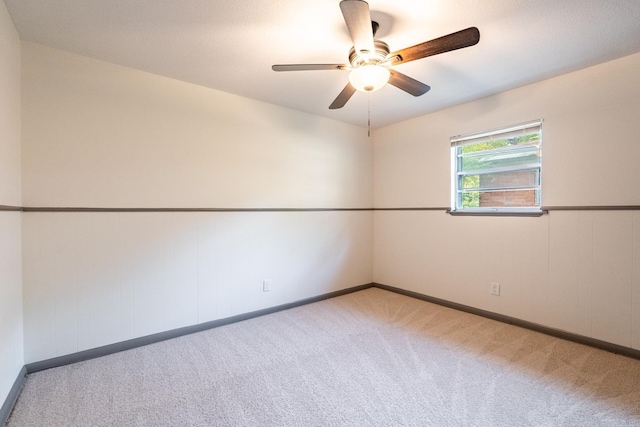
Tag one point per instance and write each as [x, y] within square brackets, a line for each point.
[508, 198]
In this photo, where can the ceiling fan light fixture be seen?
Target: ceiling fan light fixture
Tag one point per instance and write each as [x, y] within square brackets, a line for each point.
[369, 77]
[370, 60]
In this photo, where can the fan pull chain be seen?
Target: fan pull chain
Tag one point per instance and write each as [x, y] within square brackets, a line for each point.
[369, 117]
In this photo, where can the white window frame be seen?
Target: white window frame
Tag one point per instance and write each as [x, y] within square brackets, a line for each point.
[490, 135]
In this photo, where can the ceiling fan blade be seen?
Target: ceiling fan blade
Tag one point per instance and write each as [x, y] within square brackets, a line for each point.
[458, 40]
[308, 67]
[407, 84]
[358, 19]
[343, 97]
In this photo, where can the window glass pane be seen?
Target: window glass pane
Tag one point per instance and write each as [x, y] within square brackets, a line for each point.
[532, 138]
[526, 178]
[508, 198]
[500, 159]
[499, 199]
[484, 146]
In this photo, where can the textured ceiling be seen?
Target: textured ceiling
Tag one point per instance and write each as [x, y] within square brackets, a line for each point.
[230, 45]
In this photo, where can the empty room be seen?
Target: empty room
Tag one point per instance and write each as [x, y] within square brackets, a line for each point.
[319, 213]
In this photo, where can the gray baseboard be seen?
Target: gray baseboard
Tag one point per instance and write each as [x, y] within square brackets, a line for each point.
[174, 333]
[569, 336]
[93, 353]
[11, 399]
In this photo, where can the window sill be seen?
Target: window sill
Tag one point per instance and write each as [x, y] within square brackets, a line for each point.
[497, 212]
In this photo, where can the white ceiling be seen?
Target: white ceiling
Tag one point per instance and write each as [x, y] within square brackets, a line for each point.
[230, 45]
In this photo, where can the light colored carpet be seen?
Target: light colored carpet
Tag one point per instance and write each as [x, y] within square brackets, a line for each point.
[371, 358]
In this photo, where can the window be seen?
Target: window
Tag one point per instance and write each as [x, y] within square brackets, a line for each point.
[497, 171]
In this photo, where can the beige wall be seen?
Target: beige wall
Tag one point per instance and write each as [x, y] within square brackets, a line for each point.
[100, 135]
[576, 271]
[10, 193]
[11, 325]
[93, 279]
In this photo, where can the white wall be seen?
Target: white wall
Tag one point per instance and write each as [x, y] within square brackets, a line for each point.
[573, 270]
[100, 135]
[11, 325]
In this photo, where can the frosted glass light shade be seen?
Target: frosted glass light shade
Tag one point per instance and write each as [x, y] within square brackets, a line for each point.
[369, 77]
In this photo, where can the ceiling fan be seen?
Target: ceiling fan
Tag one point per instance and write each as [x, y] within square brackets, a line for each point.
[371, 61]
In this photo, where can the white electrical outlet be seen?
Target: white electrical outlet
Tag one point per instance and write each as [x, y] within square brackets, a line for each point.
[494, 288]
[266, 285]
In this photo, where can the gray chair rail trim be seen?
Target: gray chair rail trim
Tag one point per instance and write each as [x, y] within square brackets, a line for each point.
[7, 208]
[543, 210]
[97, 209]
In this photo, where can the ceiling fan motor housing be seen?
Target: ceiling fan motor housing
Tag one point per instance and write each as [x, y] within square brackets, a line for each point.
[356, 59]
